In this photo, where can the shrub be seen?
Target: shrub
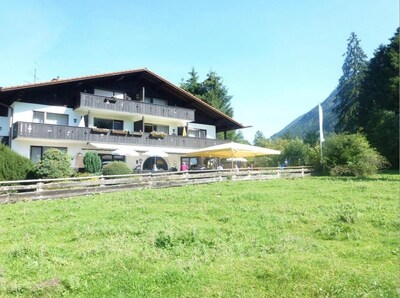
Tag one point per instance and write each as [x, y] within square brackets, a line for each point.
[116, 168]
[14, 166]
[54, 164]
[297, 153]
[92, 162]
[351, 155]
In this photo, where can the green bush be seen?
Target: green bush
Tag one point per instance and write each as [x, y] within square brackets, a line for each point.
[92, 162]
[14, 166]
[116, 168]
[54, 164]
[351, 155]
[297, 153]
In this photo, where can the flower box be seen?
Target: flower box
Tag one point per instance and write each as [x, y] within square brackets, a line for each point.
[100, 130]
[119, 132]
[157, 135]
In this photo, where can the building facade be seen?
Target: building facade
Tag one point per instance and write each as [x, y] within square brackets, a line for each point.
[133, 116]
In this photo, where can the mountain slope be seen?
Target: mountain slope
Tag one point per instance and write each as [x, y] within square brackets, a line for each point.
[309, 122]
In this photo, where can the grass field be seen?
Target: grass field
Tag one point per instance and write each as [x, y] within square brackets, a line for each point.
[317, 236]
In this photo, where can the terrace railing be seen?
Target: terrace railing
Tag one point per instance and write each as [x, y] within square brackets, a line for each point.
[91, 102]
[86, 134]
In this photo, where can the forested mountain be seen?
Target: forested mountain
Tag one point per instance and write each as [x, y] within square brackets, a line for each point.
[309, 122]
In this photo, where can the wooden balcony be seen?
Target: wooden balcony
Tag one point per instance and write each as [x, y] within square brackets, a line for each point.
[85, 134]
[96, 102]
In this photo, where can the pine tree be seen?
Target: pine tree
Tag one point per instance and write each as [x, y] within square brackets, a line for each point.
[259, 139]
[379, 100]
[213, 92]
[354, 67]
[192, 84]
[216, 94]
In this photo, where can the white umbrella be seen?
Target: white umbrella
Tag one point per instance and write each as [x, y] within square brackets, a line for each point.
[125, 151]
[155, 154]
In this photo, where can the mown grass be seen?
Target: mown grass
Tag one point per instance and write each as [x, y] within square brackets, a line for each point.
[307, 237]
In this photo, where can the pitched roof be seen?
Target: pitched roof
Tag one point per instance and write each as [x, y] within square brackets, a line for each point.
[185, 93]
[69, 80]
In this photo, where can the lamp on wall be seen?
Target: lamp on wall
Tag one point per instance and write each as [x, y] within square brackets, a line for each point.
[75, 120]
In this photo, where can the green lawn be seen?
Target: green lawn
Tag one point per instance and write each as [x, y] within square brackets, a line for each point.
[317, 236]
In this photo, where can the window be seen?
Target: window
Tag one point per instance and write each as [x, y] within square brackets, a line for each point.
[148, 127]
[197, 133]
[58, 119]
[156, 101]
[108, 123]
[38, 151]
[192, 162]
[38, 117]
[118, 124]
[50, 118]
[107, 158]
[109, 93]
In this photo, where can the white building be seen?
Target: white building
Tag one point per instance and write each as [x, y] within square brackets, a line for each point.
[134, 110]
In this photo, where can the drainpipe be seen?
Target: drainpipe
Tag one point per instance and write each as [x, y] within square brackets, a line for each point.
[10, 123]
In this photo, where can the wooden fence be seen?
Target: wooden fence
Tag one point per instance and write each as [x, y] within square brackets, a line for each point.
[42, 189]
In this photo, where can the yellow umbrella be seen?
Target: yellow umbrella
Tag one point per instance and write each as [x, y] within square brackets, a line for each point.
[184, 134]
[233, 150]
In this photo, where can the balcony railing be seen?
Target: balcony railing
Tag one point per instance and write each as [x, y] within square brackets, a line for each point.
[86, 134]
[91, 101]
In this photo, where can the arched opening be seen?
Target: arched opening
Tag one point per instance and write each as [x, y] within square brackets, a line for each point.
[158, 161]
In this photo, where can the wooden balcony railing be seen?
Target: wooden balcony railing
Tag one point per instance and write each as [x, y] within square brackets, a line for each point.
[91, 101]
[86, 134]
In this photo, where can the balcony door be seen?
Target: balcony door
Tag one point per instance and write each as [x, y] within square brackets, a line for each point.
[108, 123]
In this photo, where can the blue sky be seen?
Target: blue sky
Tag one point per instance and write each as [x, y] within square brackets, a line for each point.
[278, 59]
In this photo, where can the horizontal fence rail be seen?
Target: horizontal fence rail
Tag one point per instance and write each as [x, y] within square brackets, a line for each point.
[42, 189]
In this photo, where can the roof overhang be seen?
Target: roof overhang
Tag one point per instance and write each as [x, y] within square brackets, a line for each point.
[225, 122]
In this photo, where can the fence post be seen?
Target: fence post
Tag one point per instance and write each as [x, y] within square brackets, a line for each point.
[102, 181]
[278, 173]
[302, 172]
[39, 186]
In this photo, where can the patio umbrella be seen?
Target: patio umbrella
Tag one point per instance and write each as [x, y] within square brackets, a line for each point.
[233, 150]
[155, 154]
[125, 151]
